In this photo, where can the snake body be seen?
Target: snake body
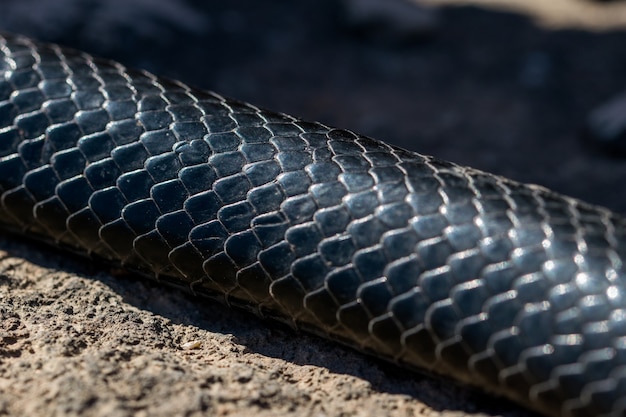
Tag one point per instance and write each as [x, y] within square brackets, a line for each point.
[508, 287]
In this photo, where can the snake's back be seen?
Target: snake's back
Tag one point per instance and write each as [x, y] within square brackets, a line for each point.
[504, 286]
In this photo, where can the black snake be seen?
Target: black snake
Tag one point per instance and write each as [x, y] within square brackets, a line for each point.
[504, 286]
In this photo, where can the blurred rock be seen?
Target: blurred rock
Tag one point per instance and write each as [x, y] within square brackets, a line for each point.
[103, 25]
[390, 20]
[606, 125]
[536, 69]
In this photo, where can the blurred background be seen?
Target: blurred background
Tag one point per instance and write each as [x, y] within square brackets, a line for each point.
[506, 86]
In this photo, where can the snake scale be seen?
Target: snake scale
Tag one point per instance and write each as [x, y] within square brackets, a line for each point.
[507, 287]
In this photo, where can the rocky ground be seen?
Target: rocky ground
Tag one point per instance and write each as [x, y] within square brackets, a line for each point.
[504, 90]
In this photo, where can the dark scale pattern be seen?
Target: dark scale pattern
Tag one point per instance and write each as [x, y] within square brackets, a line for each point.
[504, 286]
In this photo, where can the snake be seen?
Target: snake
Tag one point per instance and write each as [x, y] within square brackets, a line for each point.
[506, 287]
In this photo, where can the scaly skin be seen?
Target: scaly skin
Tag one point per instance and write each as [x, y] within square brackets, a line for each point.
[504, 286]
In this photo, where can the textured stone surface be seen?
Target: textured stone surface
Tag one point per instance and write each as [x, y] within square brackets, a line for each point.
[78, 341]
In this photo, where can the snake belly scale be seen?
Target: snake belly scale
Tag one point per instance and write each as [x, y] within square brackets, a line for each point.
[508, 287]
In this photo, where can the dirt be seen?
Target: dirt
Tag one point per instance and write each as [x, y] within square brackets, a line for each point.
[77, 339]
[503, 91]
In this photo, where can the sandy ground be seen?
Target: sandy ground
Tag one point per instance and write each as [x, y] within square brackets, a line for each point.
[76, 341]
[503, 91]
